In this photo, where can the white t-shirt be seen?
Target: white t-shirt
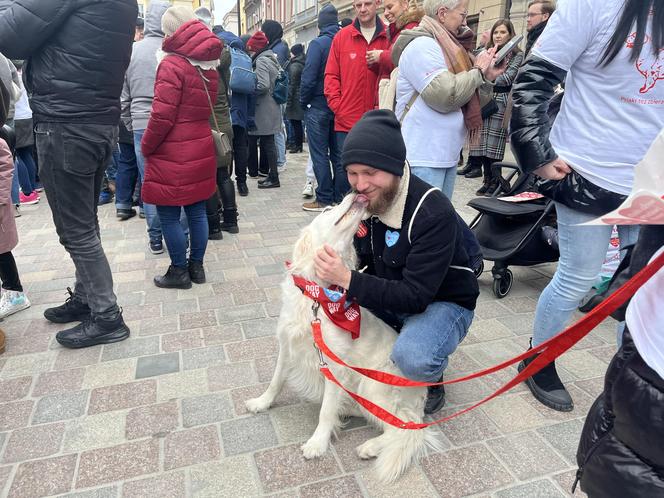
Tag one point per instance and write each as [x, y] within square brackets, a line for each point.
[645, 320]
[610, 115]
[433, 139]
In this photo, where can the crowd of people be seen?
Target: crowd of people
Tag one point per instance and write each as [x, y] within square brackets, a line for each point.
[182, 114]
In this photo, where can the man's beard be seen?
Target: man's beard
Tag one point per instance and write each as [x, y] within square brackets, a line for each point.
[381, 204]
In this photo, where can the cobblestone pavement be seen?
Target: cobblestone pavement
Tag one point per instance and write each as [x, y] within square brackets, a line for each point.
[161, 414]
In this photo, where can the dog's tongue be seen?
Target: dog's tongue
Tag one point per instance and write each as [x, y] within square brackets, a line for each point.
[361, 199]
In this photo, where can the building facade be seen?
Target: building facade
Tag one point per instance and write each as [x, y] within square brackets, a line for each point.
[194, 4]
[230, 20]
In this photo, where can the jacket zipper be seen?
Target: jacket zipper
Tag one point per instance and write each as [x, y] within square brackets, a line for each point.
[579, 472]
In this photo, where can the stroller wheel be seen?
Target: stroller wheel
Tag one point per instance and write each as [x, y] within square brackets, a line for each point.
[479, 269]
[502, 284]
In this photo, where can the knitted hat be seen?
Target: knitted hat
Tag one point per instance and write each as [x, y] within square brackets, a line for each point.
[327, 16]
[175, 17]
[376, 141]
[297, 49]
[257, 42]
[272, 29]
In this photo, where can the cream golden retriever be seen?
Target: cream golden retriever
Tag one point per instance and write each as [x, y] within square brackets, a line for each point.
[298, 362]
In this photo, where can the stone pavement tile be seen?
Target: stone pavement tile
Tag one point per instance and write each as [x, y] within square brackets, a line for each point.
[215, 301]
[15, 415]
[231, 375]
[46, 477]
[33, 442]
[95, 431]
[248, 434]
[58, 382]
[269, 282]
[182, 385]
[593, 340]
[122, 396]
[206, 409]
[343, 487]
[141, 312]
[191, 446]
[486, 330]
[594, 387]
[271, 269]
[203, 357]
[582, 403]
[75, 358]
[511, 413]
[603, 353]
[295, 423]
[170, 485]
[498, 379]
[491, 309]
[526, 455]
[131, 347]
[467, 392]
[28, 344]
[265, 368]
[519, 324]
[197, 320]
[233, 476]
[60, 406]
[109, 373]
[199, 290]
[565, 480]
[491, 353]
[27, 364]
[179, 341]
[230, 314]
[286, 397]
[259, 328]
[180, 306]
[225, 288]
[14, 389]
[252, 349]
[273, 308]
[467, 428]
[519, 304]
[465, 471]
[158, 364]
[222, 334]
[249, 296]
[345, 444]
[154, 420]
[564, 437]
[4, 476]
[536, 489]
[285, 467]
[460, 363]
[241, 273]
[582, 364]
[110, 464]
[163, 325]
[412, 484]
[106, 492]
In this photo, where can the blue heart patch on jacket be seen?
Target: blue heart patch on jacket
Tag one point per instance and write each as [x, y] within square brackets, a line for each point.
[391, 238]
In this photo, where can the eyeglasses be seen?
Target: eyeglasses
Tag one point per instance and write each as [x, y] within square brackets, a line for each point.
[530, 16]
[464, 15]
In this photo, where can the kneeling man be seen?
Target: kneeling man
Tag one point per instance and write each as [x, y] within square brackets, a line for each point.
[416, 273]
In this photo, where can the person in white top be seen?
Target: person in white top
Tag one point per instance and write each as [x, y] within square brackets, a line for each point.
[26, 169]
[610, 54]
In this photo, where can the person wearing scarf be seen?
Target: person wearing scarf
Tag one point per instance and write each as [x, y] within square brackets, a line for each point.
[539, 12]
[437, 90]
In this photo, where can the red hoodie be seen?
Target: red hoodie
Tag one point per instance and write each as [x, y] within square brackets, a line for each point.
[350, 85]
[178, 146]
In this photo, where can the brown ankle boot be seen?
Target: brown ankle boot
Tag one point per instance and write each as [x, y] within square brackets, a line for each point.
[2, 341]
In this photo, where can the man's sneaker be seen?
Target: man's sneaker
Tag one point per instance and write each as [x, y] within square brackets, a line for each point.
[174, 278]
[262, 175]
[28, 200]
[141, 214]
[105, 198]
[12, 302]
[435, 399]
[94, 331]
[308, 190]
[72, 310]
[156, 246]
[242, 189]
[314, 206]
[547, 387]
[125, 214]
[196, 272]
[17, 211]
[281, 167]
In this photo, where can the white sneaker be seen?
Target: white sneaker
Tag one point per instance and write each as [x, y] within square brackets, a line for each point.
[17, 211]
[12, 302]
[308, 190]
[281, 168]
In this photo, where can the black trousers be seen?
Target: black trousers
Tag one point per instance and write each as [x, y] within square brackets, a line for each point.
[298, 132]
[268, 156]
[9, 273]
[240, 153]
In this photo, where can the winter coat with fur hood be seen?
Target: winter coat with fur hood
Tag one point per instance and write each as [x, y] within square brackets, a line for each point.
[408, 20]
[177, 145]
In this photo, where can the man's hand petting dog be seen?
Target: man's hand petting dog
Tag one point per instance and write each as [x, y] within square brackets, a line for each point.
[330, 268]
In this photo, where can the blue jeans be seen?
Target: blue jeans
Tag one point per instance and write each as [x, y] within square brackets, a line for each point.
[343, 179]
[15, 188]
[443, 178]
[323, 149]
[582, 253]
[280, 141]
[427, 340]
[151, 217]
[27, 171]
[174, 234]
[126, 176]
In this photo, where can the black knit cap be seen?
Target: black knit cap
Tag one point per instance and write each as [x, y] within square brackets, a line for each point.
[376, 141]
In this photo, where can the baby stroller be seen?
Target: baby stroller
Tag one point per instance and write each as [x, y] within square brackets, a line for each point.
[511, 233]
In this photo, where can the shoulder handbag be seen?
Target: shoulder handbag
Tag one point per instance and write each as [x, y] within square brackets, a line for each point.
[222, 143]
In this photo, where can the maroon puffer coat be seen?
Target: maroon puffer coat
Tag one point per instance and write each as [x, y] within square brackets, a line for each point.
[177, 145]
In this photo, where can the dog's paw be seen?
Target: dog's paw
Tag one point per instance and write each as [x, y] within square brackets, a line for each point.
[256, 405]
[313, 448]
[368, 449]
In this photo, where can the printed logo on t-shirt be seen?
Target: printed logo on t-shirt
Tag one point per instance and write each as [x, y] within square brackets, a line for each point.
[651, 66]
[352, 55]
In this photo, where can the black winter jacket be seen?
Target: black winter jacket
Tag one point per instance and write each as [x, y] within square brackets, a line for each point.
[405, 277]
[77, 53]
[293, 107]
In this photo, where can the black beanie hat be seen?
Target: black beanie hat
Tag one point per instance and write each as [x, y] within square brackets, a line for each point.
[376, 141]
[297, 49]
[272, 29]
[328, 16]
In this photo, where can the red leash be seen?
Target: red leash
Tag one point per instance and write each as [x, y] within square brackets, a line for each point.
[550, 350]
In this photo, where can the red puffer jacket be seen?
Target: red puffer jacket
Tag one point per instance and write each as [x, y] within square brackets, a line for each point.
[178, 146]
[350, 85]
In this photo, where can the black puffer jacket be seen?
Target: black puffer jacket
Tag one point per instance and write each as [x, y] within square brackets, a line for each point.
[621, 452]
[530, 126]
[77, 52]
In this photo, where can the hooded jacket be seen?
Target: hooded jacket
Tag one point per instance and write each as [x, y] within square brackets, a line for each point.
[177, 144]
[77, 52]
[239, 101]
[274, 32]
[268, 112]
[138, 89]
[312, 85]
[350, 86]
[293, 107]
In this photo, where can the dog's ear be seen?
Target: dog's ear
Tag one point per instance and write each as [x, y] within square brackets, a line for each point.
[303, 246]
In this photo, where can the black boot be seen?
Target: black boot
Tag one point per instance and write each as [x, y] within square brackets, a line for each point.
[242, 189]
[196, 272]
[175, 278]
[269, 183]
[547, 387]
[72, 310]
[435, 399]
[229, 207]
[215, 234]
[473, 168]
[214, 219]
[93, 331]
[488, 180]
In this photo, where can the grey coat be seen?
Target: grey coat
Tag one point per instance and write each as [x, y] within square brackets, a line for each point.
[268, 112]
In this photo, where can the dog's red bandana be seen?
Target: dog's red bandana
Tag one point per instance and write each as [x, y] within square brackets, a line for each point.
[333, 301]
